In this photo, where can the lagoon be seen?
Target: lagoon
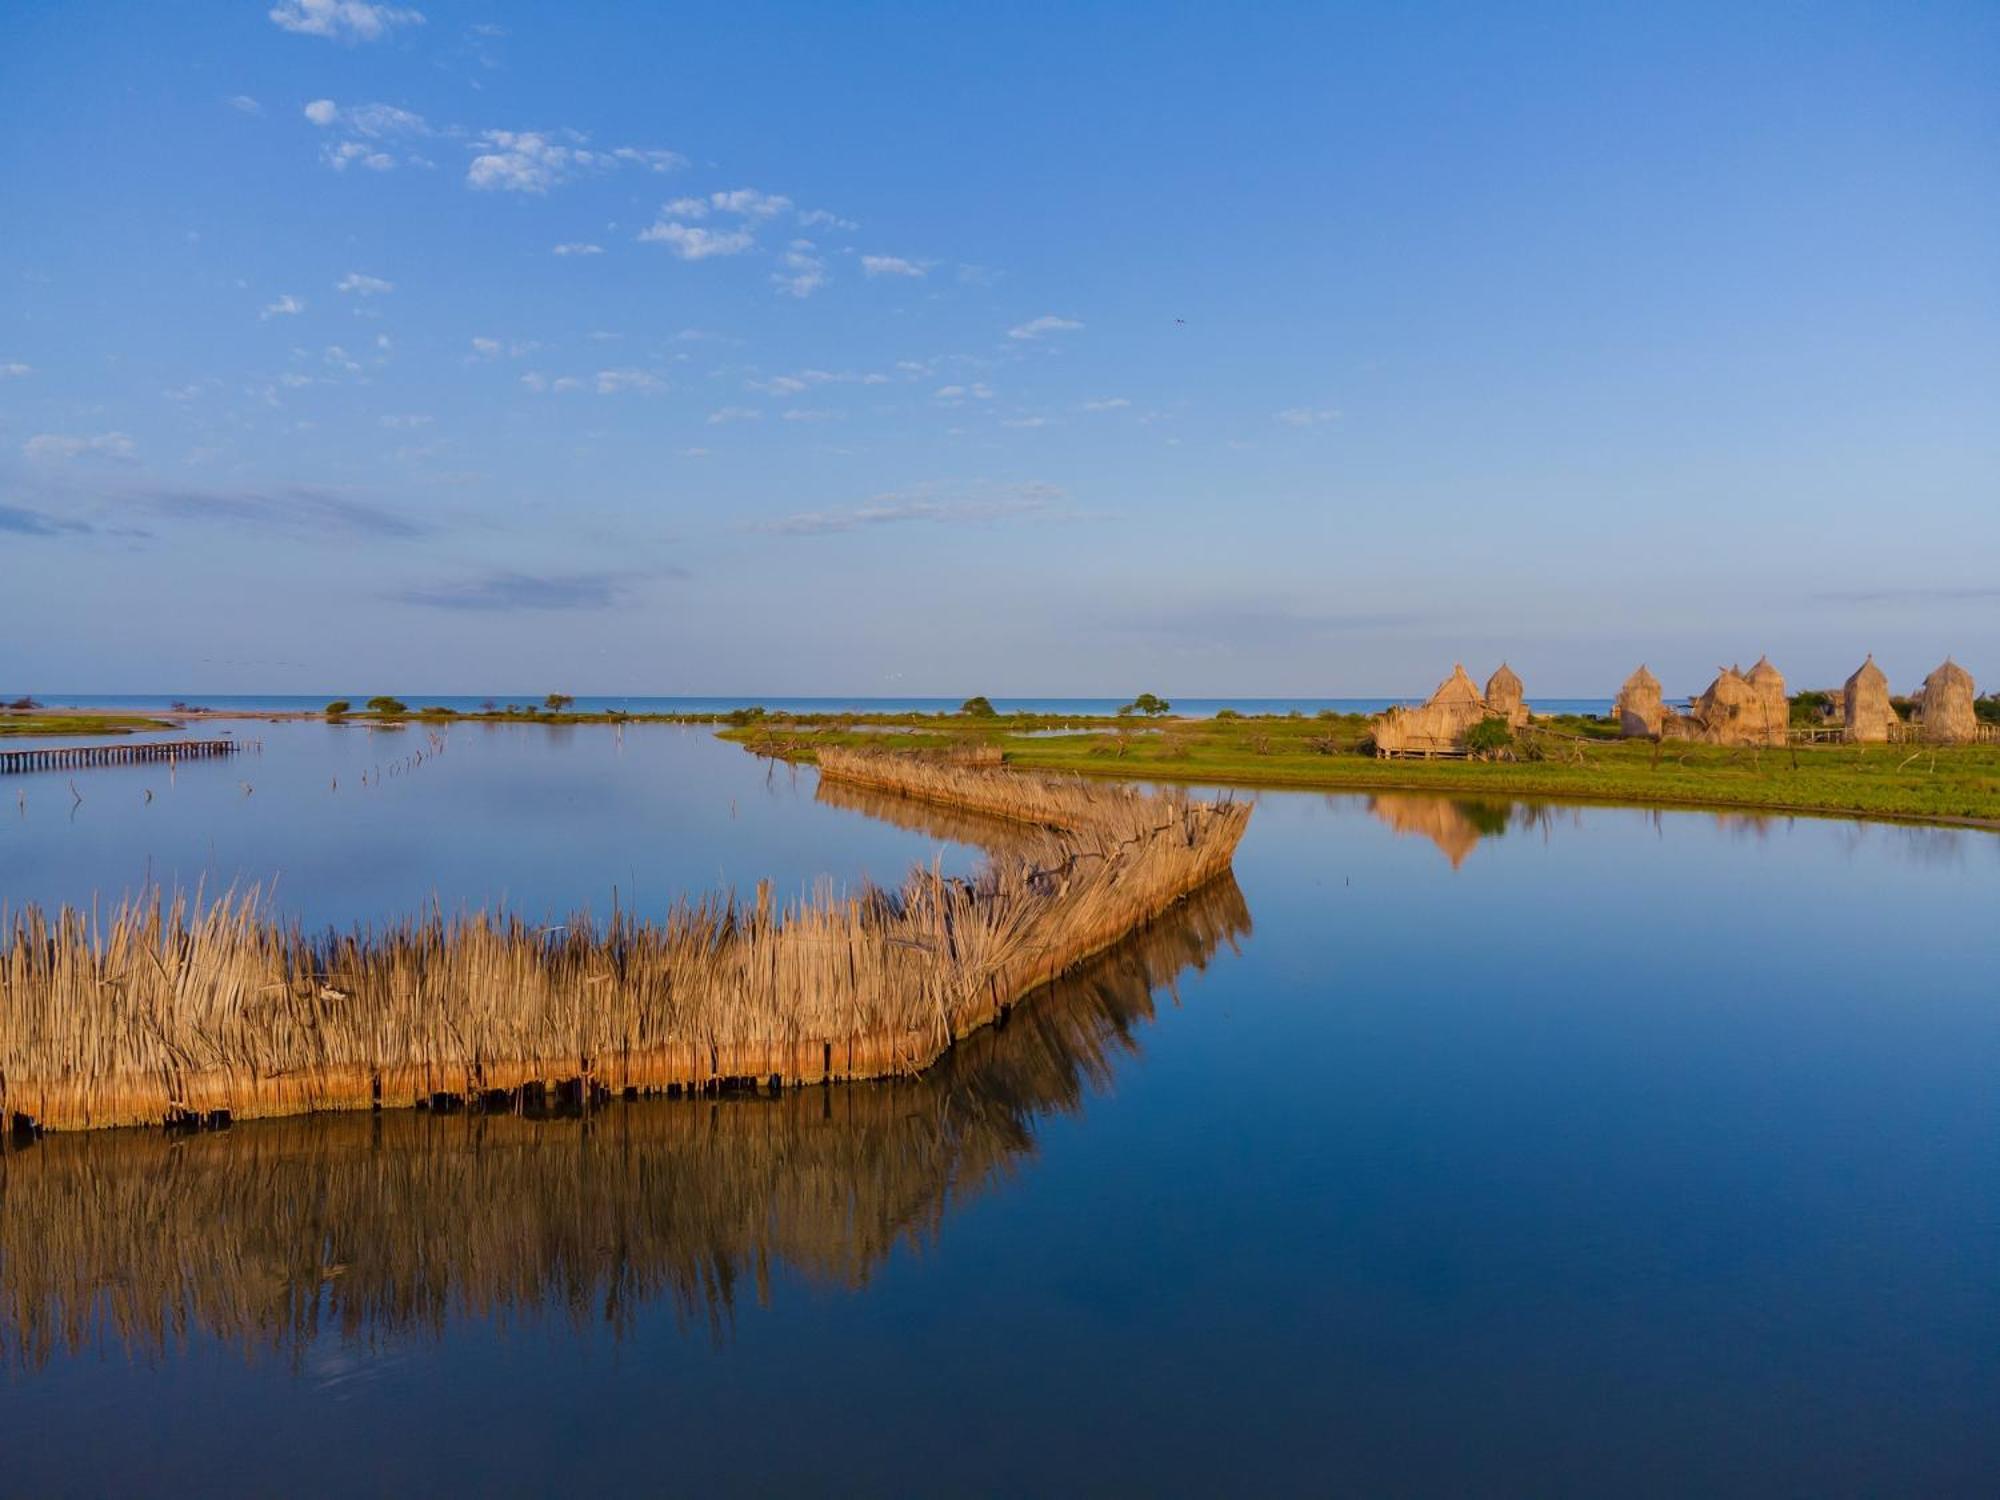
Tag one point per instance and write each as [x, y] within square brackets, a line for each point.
[1455, 1147]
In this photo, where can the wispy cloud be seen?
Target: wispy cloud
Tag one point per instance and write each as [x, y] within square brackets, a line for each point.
[503, 592]
[1046, 324]
[803, 272]
[692, 242]
[14, 369]
[302, 508]
[1307, 416]
[891, 265]
[983, 507]
[363, 286]
[611, 382]
[724, 415]
[819, 218]
[285, 306]
[246, 104]
[751, 203]
[61, 447]
[578, 247]
[533, 161]
[342, 20]
[1107, 403]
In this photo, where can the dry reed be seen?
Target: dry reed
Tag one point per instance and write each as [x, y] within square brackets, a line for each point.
[269, 1235]
[167, 1009]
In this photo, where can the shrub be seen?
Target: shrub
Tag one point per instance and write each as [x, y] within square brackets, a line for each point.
[384, 704]
[557, 702]
[24, 703]
[1227, 713]
[1489, 737]
[978, 708]
[338, 707]
[1149, 704]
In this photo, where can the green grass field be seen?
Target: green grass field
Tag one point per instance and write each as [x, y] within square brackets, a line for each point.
[14, 725]
[1902, 781]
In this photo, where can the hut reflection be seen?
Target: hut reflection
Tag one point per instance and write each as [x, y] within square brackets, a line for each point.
[1458, 824]
[271, 1235]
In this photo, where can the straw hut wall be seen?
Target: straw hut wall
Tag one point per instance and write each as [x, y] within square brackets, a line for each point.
[1733, 712]
[1439, 725]
[1774, 707]
[1865, 709]
[1946, 705]
[1639, 710]
[1505, 696]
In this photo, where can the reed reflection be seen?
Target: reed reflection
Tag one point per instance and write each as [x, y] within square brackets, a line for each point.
[373, 1227]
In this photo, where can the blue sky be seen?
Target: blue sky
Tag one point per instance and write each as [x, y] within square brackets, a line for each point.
[1016, 350]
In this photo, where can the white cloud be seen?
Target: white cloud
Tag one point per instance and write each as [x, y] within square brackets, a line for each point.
[536, 381]
[694, 453]
[891, 265]
[653, 161]
[751, 203]
[248, 105]
[490, 348]
[339, 359]
[807, 414]
[1034, 328]
[958, 395]
[523, 161]
[778, 385]
[685, 208]
[322, 111]
[342, 20]
[344, 155]
[692, 242]
[363, 286]
[819, 218]
[61, 447]
[804, 272]
[578, 247]
[1025, 422]
[1307, 416]
[13, 369]
[406, 423]
[487, 348]
[733, 414]
[1107, 403]
[611, 382]
[283, 307]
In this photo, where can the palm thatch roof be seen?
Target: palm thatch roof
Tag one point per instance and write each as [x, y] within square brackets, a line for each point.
[1440, 724]
[1735, 711]
[1505, 695]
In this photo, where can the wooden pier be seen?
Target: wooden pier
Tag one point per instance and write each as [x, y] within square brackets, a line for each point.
[76, 757]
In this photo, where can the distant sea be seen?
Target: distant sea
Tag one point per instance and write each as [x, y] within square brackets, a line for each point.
[1193, 707]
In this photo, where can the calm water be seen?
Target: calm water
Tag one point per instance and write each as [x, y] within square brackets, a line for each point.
[1456, 1148]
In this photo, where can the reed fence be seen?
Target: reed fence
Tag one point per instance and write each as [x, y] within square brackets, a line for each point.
[169, 1009]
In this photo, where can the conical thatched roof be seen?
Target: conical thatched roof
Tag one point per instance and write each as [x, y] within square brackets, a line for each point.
[1641, 681]
[1764, 675]
[1865, 706]
[1457, 688]
[1946, 705]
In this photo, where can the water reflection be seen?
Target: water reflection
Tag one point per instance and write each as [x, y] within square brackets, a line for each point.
[269, 1236]
[1457, 824]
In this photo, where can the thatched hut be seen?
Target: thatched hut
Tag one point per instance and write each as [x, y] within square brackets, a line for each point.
[1639, 709]
[1865, 709]
[1945, 705]
[1774, 707]
[1505, 696]
[1439, 726]
[1734, 711]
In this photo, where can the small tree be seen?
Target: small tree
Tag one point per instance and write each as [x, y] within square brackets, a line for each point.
[1149, 704]
[557, 702]
[978, 708]
[384, 704]
[1489, 737]
[338, 707]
